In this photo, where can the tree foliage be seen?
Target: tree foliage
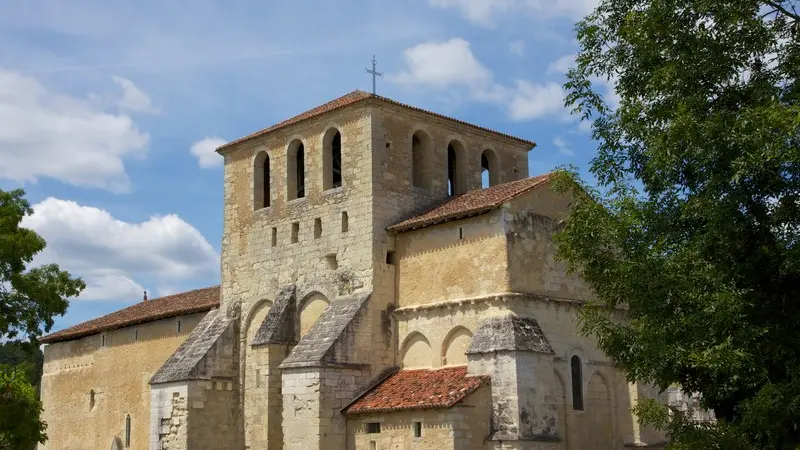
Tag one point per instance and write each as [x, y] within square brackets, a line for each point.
[29, 299]
[20, 427]
[695, 231]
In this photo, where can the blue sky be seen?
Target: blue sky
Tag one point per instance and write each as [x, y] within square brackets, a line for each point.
[109, 111]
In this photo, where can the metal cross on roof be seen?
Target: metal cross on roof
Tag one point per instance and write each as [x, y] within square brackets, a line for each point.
[374, 73]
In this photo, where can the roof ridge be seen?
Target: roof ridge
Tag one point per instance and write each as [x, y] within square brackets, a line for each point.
[352, 98]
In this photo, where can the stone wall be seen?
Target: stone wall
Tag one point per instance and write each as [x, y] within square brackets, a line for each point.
[118, 375]
[462, 427]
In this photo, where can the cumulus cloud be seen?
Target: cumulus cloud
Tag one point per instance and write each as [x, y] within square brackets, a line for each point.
[485, 12]
[110, 254]
[443, 64]
[67, 138]
[133, 99]
[562, 147]
[439, 65]
[562, 65]
[204, 151]
[532, 101]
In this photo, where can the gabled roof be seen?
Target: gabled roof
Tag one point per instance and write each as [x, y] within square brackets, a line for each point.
[190, 302]
[471, 203]
[418, 389]
[352, 98]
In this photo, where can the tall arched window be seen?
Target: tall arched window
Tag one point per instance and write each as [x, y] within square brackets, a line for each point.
[577, 383]
[456, 175]
[332, 159]
[261, 181]
[295, 170]
[489, 170]
[127, 431]
[420, 160]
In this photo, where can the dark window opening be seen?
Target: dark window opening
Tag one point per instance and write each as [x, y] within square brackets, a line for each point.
[390, 258]
[417, 429]
[301, 172]
[274, 236]
[265, 180]
[179, 326]
[317, 228]
[295, 232]
[460, 233]
[345, 223]
[336, 160]
[577, 383]
[373, 427]
[451, 170]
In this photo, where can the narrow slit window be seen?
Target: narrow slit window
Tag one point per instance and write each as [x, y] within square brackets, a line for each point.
[417, 429]
[178, 326]
[577, 383]
[103, 340]
[317, 228]
[451, 170]
[295, 232]
[136, 334]
[345, 224]
[274, 236]
[460, 233]
[127, 431]
[336, 160]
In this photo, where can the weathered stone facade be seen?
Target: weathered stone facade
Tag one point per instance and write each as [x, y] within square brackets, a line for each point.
[322, 296]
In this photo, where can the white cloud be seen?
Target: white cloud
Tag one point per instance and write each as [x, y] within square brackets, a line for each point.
[517, 48]
[562, 65]
[110, 253]
[204, 150]
[442, 64]
[70, 139]
[562, 147]
[133, 99]
[532, 101]
[484, 12]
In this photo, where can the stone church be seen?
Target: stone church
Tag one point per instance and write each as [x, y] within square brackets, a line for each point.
[388, 281]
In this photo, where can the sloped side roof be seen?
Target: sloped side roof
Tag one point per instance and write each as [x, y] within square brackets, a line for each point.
[190, 302]
[419, 389]
[510, 333]
[471, 203]
[182, 363]
[350, 99]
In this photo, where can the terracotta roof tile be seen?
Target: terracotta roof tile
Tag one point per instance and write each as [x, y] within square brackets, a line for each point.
[350, 99]
[418, 389]
[471, 203]
[190, 302]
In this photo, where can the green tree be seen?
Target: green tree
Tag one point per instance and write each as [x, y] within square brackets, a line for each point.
[29, 299]
[695, 227]
[20, 427]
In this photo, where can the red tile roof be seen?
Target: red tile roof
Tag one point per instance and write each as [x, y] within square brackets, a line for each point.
[350, 99]
[190, 302]
[471, 203]
[418, 389]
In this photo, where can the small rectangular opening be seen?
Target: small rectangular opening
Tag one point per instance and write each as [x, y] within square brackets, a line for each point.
[373, 427]
[136, 334]
[317, 228]
[345, 225]
[103, 340]
[390, 258]
[295, 232]
[460, 233]
[330, 259]
[417, 429]
[178, 326]
[274, 236]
